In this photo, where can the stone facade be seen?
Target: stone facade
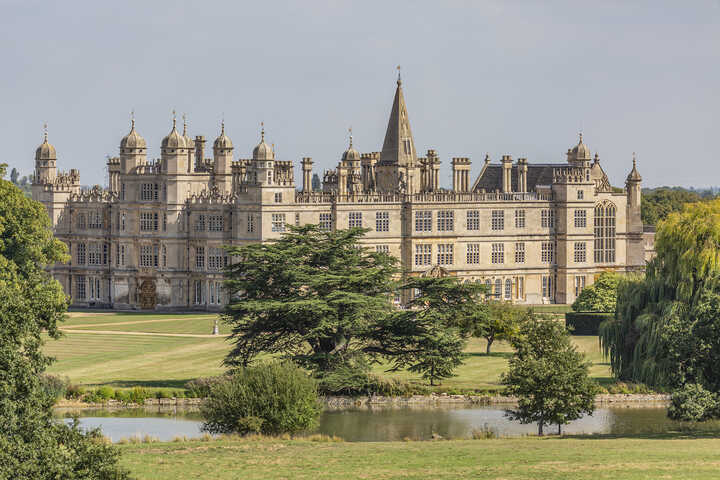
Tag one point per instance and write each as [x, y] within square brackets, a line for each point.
[534, 232]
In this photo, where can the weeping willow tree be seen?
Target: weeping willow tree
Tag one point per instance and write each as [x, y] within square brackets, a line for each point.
[666, 330]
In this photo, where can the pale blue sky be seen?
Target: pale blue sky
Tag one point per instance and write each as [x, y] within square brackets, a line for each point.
[497, 77]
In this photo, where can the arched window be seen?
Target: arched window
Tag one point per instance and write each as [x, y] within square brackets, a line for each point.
[605, 233]
[498, 288]
[508, 289]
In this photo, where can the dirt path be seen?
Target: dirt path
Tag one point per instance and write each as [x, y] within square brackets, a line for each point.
[116, 332]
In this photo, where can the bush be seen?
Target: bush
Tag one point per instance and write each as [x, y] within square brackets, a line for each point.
[138, 395]
[200, 387]
[585, 323]
[271, 399]
[354, 379]
[54, 386]
[692, 403]
[74, 391]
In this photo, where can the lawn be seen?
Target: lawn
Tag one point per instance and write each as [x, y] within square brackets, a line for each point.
[119, 358]
[518, 458]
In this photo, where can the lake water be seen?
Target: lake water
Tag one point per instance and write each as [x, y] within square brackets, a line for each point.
[392, 424]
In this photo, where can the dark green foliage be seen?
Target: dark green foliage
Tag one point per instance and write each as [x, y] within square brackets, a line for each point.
[601, 296]
[200, 387]
[494, 320]
[312, 296]
[32, 444]
[271, 398]
[692, 403]
[586, 323]
[54, 386]
[658, 203]
[549, 376]
[356, 380]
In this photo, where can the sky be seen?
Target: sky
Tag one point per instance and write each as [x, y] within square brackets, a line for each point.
[479, 77]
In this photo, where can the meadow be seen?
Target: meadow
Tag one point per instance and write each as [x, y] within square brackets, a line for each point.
[580, 458]
[165, 350]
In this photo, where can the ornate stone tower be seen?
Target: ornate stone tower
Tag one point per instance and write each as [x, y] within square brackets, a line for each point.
[636, 249]
[190, 145]
[133, 150]
[173, 152]
[263, 162]
[222, 155]
[307, 164]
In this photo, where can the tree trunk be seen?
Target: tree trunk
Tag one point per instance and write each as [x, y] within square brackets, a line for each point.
[540, 429]
[559, 429]
[489, 344]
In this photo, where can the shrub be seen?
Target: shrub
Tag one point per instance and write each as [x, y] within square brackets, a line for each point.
[122, 396]
[200, 387]
[271, 398]
[138, 395]
[354, 379]
[54, 386]
[692, 403]
[74, 391]
[585, 323]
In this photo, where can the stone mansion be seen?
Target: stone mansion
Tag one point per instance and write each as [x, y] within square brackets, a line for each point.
[153, 239]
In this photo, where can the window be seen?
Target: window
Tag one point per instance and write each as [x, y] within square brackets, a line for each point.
[382, 221]
[423, 221]
[200, 223]
[120, 255]
[445, 221]
[325, 222]
[200, 257]
[580, 218]
[80, 292]
[216, 259]
[423, 254]
[580, 195]
[547, 252]
[488, 285]
[498, 220]
[278, 196]
[215, 290]
[508, 289]
[80, 254]
[122, 221]
[605, 233]
[122, 191]
[407, 147]
[382, 249]
[164, 256]
[149, 256]
[94, 283]
[81, 221]
[519, 218]
[519, 287]
[251, 223]
[95, 219]
[445, 254]
[473, 253]
[355, 219]
[473, 220]
[149, 192]
[580, 256]
[579, 284]
[199, 292]
[269, 175]
[94, 256]
[278, 222]
[216, 223]
[547, 284]
[148, 221]
[164, 222]
[497, 254]
[547, 219]
[520, 252]
[297, 219]
[498, 288]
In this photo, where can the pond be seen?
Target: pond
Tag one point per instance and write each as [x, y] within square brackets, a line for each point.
[393, 424]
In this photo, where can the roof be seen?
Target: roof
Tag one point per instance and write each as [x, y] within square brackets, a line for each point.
[394, 151]
[490, 179]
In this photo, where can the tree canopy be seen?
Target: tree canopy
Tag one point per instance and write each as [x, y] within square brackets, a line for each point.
[658, 203]
[601, 296]
[32, 443]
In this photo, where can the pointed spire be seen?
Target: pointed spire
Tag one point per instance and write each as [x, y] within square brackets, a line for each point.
[634, 175]
[580, 134]
[184, 125]
[262, 132]
[222, 127]
[132, 120]
[399, 80]
[350, 130]
[45, 132]
[399, 146]
[174, 119]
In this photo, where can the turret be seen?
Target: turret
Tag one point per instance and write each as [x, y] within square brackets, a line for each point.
[133, 149]
[307, 164]
[45, 162]
[263, 162]
[222, 156]
[174, 152]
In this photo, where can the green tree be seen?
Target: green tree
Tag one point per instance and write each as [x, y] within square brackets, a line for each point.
[14, 175]
[494, 320]
[601, 296]
[32, 443]
[549, 376]
[658, 203]
[312, 295]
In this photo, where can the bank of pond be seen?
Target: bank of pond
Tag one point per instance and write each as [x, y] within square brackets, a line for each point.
[376, 424]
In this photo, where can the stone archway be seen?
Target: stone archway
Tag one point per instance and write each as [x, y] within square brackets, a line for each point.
[148, 295]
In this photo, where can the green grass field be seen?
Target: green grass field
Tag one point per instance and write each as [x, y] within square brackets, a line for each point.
[138, 350]
[592, 458]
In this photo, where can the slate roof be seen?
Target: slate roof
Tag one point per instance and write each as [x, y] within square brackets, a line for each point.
[490, 178]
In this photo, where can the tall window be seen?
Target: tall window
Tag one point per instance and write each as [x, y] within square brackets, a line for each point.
[216, 223]
[579, 284]
[200, 223]
[122, 191]
[355, 219]
[473, 220]
[164, 256]
[297, 219]
[605, 233]
[520, 252]
[508, 289]
[216, 258]
[497, 255]
[547, 287]
[94, 254]
[580, 218]
[164, 222]
[278, 197]
[149, 191]
[497, 220]
[251, 223]
[81, 221]
[278, 222]
[547, 252]
[382, 221]
[519, 287]
[122, 221]
[580, 252]
[80, 283]
[519, 218]
[94, 283]
[382, 249]
[148, 221]
[446, 221]
[423, 254]
[423, 221]
[473, 253]
[199, 292]
[498, 288]
[325, 222]
[95, 219]
[547, 218]
[580, 195]
[80, 254]
[149, 256]
[445, 254]
[200, 257]
[121, 255]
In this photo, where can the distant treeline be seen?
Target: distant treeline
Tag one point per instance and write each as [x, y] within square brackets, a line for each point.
[658, 203]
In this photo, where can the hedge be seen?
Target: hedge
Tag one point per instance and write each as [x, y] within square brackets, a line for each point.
[585, 323]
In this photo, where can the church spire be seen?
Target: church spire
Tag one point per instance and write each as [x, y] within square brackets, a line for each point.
[399, 146]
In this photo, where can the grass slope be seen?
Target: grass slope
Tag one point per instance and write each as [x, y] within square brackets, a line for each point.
[523, 458]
